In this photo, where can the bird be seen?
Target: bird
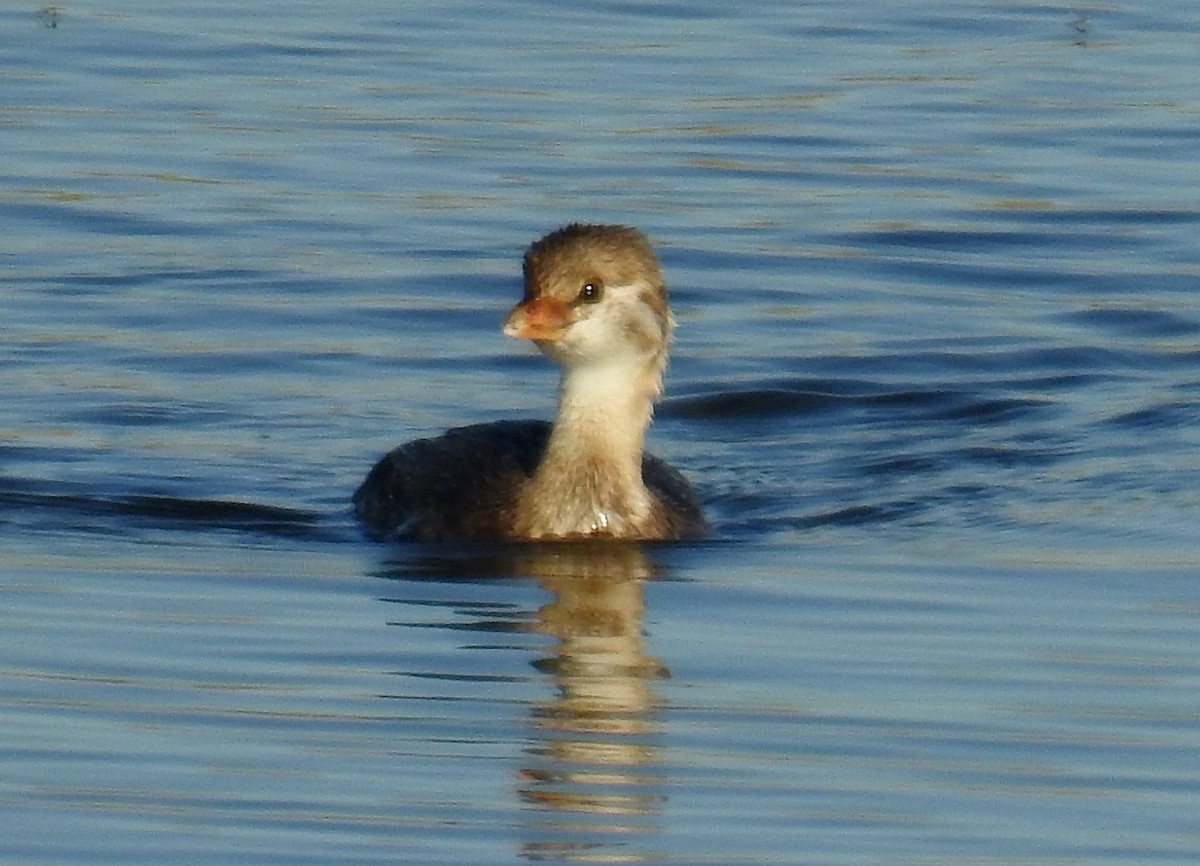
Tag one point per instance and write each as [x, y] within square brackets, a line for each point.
[595, 302]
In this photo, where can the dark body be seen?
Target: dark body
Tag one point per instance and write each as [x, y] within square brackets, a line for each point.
[464, 485]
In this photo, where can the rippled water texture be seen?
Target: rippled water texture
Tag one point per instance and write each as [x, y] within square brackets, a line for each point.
[937, 376]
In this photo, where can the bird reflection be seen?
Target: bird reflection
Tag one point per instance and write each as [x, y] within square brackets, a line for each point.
[589, 777]
[593, 771]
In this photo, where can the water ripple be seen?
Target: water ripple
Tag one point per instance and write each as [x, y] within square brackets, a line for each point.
[44, 504]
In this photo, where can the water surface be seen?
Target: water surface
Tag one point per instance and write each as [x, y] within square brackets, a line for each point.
[937, 377]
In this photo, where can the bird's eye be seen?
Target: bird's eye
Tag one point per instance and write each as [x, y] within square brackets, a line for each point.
[590, 293]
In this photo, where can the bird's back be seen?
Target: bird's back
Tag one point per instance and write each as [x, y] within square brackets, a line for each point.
[465, 485]
[461, 485]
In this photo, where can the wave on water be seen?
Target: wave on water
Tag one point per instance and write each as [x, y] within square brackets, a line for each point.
[49, 506]
[1042, 446]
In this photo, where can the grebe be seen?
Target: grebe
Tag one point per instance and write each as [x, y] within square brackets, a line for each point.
[596, 303]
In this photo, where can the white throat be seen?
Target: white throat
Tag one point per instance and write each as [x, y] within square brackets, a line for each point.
[610, 401]
[590, 479]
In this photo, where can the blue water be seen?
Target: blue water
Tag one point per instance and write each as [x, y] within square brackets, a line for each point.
[937, 377]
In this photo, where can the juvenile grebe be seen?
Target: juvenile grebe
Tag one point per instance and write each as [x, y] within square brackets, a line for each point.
[595, 302]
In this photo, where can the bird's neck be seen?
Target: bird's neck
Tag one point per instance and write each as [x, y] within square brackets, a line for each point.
[605, 408]
[590, 478]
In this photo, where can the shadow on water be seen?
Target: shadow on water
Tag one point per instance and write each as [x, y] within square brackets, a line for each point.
[591, 775]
